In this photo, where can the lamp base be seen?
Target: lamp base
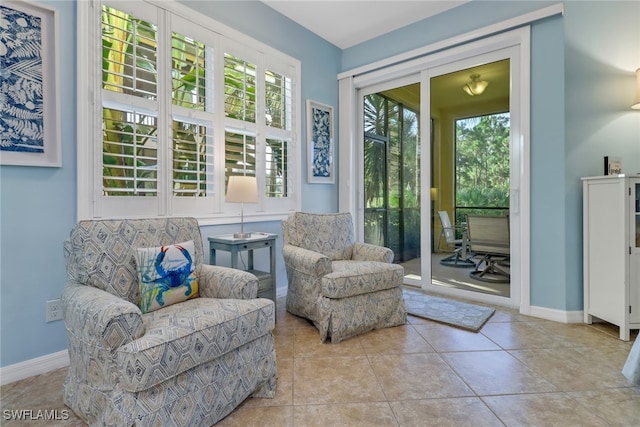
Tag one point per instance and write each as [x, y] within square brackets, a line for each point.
[241, 235]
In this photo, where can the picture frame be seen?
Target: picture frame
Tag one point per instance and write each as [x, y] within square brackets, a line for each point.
[30, 123]
[320, 144]
[612, 165]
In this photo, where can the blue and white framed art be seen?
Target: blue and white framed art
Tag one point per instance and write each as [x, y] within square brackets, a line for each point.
[320, 142]
[29, 123]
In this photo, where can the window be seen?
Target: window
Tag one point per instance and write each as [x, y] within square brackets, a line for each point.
[482, 165]
[182, 104]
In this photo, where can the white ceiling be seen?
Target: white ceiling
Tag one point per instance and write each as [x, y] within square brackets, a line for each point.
[348, 23]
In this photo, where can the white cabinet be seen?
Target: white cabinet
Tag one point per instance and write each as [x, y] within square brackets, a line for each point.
[611, 253]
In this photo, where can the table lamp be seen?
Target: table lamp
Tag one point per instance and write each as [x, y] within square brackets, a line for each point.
[242, 189]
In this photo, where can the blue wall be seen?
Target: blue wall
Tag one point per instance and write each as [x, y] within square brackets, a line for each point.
[582, 81]
[602, 51]
[549, 269]
[38, 208]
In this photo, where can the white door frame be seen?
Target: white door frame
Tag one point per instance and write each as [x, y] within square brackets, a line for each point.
[515, 45]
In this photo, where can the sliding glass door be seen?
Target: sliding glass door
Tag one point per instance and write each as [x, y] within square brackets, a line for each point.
[470, 169]
[391, 174]
[474, 171]
[396, 204]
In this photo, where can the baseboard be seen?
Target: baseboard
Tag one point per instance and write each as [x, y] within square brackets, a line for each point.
[29, 368]
[561, 316]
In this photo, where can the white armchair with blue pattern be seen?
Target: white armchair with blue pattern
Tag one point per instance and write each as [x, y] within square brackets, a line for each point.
[344, 287]
[186, 364]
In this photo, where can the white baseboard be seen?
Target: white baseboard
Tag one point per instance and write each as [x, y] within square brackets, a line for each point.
[29, 368]
[561, 316]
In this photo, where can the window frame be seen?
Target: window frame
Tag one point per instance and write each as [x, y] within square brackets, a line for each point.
[211, 210]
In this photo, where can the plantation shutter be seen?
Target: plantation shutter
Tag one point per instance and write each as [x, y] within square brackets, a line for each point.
[241, 111]
[279, 101]
[192, 118]
[130, 110]
[239, 88]
[240, 154]
[176, 104]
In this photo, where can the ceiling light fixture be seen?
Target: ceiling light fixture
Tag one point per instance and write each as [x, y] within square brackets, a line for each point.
[475, 86]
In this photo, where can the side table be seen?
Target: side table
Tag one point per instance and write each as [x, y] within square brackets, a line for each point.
[266, 280]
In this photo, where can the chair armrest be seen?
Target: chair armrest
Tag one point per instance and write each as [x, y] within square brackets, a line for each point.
[100, 318]
[223, 282]
[369, 252]
[306, 261]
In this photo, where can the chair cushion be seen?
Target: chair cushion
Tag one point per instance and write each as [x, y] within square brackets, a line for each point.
[101, 253]
[351, 278]
[329, 234]
[187, 334]
[166, 275]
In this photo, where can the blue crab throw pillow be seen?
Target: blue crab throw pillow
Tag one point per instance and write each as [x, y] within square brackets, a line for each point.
[166, 274]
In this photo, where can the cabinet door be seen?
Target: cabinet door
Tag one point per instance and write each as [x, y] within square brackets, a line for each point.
[634, 241]
[607, 252]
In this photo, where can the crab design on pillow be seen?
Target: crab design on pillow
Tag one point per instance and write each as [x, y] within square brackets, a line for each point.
[167, 275]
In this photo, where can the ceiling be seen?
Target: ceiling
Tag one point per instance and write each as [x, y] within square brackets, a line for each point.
[348, 23]
[447, 93]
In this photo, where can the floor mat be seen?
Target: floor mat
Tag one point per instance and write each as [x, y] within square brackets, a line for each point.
[460, 314]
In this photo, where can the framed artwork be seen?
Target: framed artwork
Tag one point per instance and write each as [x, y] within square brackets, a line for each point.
[320, 167]
[29, 123]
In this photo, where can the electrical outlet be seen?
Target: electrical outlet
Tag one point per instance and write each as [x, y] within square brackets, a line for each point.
[54, 310]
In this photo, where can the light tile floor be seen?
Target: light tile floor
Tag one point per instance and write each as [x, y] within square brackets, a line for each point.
[517, 371]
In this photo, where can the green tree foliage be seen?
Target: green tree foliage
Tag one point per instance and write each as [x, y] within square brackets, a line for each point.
[391, 175]
[375, 128]
[482, 161]
[391, 155]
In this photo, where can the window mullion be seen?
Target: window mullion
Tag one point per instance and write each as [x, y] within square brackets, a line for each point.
[212, 106]
[93, 122]
[164, 114]
[261, 130]
[219, 122]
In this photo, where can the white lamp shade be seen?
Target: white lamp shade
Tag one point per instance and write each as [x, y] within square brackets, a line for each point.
[636, 100]
[242, 189]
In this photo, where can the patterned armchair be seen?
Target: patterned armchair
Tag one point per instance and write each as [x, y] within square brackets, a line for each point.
[344, 287]
[186, 364]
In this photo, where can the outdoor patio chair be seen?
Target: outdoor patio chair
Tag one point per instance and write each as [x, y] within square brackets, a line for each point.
[489, 238]
[461, 254]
